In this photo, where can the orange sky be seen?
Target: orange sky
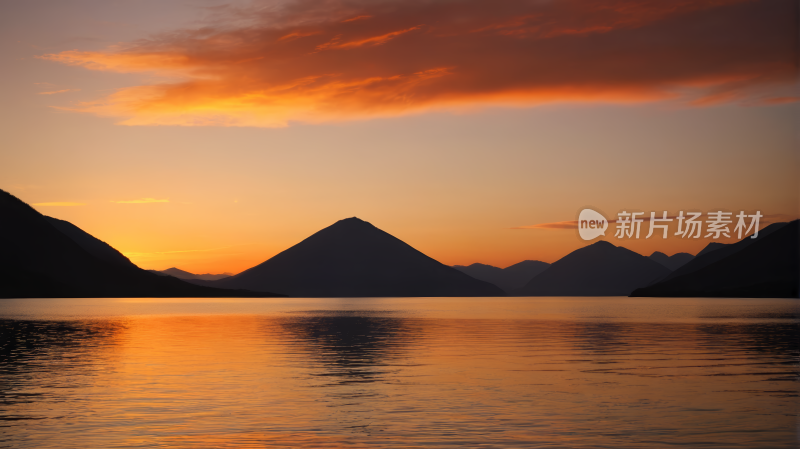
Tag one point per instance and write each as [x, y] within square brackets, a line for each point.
[445, 123]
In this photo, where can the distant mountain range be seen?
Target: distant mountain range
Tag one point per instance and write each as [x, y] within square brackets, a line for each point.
[47, 257]
[672, 262]
[180, 274]
[353, 258]
[766, 266]
[510, 278]
[714, 252]
[44, 257]
[600, 269]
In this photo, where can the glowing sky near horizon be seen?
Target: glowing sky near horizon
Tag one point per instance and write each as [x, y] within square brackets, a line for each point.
[211, 135]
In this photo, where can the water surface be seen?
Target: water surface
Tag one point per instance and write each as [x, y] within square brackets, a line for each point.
[399, 372]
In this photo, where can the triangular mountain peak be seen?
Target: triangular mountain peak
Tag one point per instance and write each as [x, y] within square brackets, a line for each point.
[352, 221]
[599, 269]
[354, 258]
[348, 227]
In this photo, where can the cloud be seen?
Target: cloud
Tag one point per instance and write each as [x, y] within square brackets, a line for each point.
[353, 19]
[59, 203]
[778, 218]
[574, 224]
[777, 100]
[374, 40]
[764, 220]
[554, 225]
[58, 91]
[317, 61]
[297, 34]
[141, 201]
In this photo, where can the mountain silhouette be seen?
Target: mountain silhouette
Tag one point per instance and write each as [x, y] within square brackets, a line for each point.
[185, 275]
[713, 246]
[672, 262]
[39, 260]
[714, 252]
[353, 258]
[509, 278]
[89, 243]
[600, 269]
[764, 267]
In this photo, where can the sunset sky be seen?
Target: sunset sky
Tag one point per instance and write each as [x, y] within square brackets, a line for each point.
[211, 135]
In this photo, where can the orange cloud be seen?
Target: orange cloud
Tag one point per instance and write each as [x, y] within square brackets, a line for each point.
[115, 60]
[554, 225]
[778, 100]
[297, 34]
[574, 224]
[375, 40]
[353, 19]
[141, 201]
[58, 91]
[778, 218]
[469, 53]
[765, 220]
[59, 204]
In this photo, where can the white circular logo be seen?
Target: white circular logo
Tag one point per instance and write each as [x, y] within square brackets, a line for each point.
[591, 224]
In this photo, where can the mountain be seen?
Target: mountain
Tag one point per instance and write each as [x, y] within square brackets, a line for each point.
[600, 269]
[714, 252]
[672, 262]
[483, 272]
[39, 260]
[713, 246]
[764, 267]
[509, 278]
[90, 244]
[353, 258]
[180, 274]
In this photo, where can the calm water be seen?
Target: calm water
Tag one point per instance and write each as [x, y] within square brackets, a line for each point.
[421, 372]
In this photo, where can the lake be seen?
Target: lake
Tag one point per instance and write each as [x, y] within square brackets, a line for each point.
[399, 372]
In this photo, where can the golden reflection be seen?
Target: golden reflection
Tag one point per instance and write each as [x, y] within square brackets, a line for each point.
[356, 378]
